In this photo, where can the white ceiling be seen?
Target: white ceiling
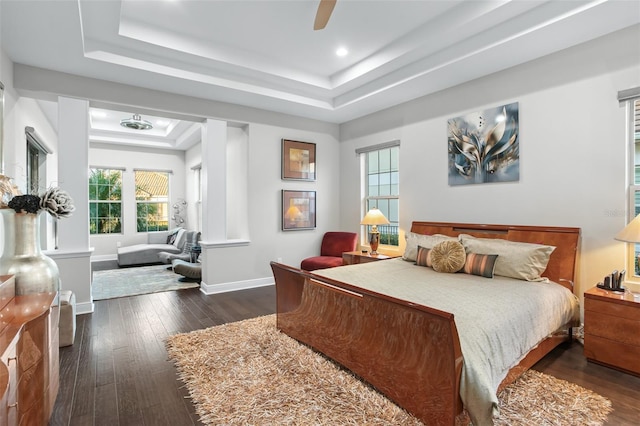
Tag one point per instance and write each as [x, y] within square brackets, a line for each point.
[265, 53]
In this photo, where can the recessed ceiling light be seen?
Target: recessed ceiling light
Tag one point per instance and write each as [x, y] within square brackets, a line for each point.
[342, 51]
[98, 114]
[162, 123]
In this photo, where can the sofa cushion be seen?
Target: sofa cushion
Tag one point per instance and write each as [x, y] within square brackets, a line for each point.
[191, 240]
[181, 237]
[157, 237]
[140, 254]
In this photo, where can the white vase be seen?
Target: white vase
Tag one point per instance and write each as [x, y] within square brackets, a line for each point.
[34, 272]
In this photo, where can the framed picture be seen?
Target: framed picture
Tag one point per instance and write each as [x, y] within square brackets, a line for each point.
[298, 160]
[298, 210]
[484, 146]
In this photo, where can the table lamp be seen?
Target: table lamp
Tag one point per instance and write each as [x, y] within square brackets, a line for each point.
[631, 232]
[374, 217]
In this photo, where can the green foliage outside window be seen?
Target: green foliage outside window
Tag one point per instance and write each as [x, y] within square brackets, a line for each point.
[105, 201]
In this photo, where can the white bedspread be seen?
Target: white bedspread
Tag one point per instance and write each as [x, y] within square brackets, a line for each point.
[499, 320]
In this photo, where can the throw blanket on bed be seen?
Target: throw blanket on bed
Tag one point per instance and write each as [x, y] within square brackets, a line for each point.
[499, 320]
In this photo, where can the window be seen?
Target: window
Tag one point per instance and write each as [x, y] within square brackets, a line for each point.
[381, 187]
[36, 162]
[634, 123]
[105, 201]
[197, 179]
[152, 200]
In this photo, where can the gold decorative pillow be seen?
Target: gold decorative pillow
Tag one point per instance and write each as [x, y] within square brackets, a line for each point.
[448, 256]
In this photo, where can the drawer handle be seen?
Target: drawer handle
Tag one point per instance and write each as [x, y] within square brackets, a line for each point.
[15, 404]
[13, 358]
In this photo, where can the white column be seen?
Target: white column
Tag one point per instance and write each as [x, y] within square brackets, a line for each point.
[73, 166]
[73, 255]
[214, 181]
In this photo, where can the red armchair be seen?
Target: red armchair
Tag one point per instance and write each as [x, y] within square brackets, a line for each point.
[333, 245]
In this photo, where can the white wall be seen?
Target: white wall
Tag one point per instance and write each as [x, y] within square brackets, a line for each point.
[247, 264]
[28, 114]
[131, 158]
[10, 99]
[192, 158]
[572, 150]
[20, 112]
[237, 182]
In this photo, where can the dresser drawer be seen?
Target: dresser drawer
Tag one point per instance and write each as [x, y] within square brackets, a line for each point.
[612, 353]
[31, 386]
[622, 330]
[615, 309]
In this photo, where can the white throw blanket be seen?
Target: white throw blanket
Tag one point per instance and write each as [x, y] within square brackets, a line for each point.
[499, 320]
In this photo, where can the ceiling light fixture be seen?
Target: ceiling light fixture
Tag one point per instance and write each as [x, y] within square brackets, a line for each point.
[342, 51]
[136, 123]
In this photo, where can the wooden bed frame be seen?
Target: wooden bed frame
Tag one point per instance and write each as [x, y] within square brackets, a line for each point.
[409, 352]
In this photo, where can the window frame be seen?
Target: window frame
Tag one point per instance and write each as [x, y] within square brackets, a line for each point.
[166, 216]
[633, 140]
[108, 171]
[369, 201]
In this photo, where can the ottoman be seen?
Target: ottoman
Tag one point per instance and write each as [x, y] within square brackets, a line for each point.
[67, 324]
[191, 272]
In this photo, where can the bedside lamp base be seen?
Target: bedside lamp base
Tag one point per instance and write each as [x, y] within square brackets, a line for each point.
[374, 241]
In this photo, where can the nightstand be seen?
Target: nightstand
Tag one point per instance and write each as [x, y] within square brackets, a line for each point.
[355, 257]
[612, 329]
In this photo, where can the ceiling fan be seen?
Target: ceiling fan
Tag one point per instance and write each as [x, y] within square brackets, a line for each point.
[323, 14]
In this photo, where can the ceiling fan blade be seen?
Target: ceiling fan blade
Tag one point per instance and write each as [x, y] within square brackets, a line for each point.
[324, 13]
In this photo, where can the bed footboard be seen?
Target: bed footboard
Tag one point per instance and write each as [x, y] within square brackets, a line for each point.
[410, 353]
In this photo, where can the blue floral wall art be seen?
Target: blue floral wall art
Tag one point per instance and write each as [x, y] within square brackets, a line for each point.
[484, 146]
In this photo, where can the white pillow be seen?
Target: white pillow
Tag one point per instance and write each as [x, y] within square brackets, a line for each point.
[180, 237]
[522, 261]
[427, 241]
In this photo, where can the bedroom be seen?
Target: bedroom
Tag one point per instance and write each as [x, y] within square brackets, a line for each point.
[554, 136]
[573, 152]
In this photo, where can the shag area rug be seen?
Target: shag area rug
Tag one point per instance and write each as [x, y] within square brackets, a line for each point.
[249, 373]
[113, 283]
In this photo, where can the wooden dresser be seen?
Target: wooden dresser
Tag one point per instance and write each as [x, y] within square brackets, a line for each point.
[29, 363]
[612, 329]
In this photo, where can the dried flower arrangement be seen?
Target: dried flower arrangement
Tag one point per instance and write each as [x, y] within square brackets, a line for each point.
[55, 201]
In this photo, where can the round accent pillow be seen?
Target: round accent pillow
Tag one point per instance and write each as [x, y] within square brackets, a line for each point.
[448, 256]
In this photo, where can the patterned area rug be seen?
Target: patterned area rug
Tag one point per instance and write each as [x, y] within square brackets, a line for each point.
[113, 283]
[250, 373]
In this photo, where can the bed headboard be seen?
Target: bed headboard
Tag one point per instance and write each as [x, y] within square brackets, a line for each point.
[562, 263]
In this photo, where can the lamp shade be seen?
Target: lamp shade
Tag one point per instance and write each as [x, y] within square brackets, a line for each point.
[293, 213]
[631, 232]
[374, 217]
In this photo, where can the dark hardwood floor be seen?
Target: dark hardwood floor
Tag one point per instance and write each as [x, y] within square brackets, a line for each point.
[117, 371]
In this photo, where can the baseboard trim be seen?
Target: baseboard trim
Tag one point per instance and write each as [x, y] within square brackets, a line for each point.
[209, 289]
[102, 257]
[84, 308]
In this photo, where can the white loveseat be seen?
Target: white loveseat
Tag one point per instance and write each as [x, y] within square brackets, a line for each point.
[141, 254]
